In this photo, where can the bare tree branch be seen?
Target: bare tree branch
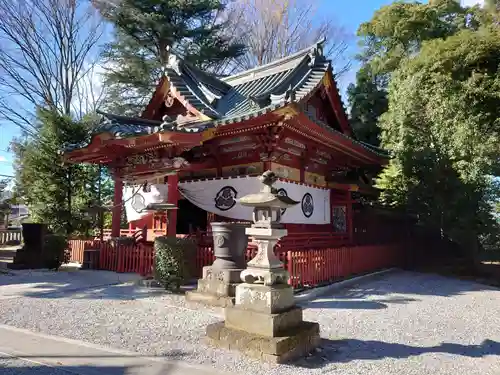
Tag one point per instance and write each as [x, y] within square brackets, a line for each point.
[272, 29]
[47, 49]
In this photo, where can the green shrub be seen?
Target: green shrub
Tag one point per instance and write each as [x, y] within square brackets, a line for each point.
[174, 260]
[55, 251]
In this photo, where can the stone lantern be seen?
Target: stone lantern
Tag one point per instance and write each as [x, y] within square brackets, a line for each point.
[266, 231]
[265, 323]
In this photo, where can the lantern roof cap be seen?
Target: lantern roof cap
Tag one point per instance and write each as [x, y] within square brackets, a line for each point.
[268, 196]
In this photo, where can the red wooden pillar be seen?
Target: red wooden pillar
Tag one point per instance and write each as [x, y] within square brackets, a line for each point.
[117, 207]
[173, 197]
[349, 218]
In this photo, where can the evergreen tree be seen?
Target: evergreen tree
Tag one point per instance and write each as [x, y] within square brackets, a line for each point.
[57, 193]
[443, 129]
[394, 33]
[368, 101]
[146, 31]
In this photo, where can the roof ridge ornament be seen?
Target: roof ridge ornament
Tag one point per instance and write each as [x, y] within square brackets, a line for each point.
[317, 51]
[174, 62]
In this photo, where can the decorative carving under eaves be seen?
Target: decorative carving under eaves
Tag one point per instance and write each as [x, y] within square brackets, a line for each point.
[153, 163]
[169, 100]
[264, 156]
[295, 143]
[324, 154]
[231, 141]
[139, 159]
[184, 119]
[339, 173]
[248, 146]
[319, 161]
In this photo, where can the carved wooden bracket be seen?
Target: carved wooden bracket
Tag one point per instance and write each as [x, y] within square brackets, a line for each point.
[169, 100]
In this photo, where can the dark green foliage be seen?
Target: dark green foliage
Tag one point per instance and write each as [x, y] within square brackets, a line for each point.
[57, 193]
[174, 260]
[398, 30]
[436, 66]
[394, 33]
[368, 101]
[145, 30]
[55, 251]
[443, 128]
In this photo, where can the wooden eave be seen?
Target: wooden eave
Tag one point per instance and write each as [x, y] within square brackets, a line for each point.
[334, 140]
[332, 93]
[104, 147]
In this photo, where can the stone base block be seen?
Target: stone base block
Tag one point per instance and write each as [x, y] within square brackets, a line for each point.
[295, 343]
[262, 298]
[261, 323]
[227, 276]
[209, 299]
[216, 287]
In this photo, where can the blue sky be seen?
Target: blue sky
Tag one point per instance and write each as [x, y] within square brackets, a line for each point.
[349, 14]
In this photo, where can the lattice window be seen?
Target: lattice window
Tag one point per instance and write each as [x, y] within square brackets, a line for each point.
[340, 219]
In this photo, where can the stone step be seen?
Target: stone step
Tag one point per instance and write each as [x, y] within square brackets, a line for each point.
[259, 323]
[298, 342]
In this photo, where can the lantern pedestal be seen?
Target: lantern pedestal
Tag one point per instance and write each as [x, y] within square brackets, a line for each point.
[265, 323]
[218, 282]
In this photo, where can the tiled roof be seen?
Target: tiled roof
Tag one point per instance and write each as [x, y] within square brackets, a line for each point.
[254, 91]
[125, 127]
[240, 97]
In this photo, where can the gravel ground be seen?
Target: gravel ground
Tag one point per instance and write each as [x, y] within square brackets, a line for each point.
[16, 283]
[399, 323]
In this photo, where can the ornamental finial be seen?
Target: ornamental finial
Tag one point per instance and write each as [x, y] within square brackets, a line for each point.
[268, 179]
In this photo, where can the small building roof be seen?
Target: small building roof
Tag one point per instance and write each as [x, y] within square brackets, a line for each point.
[278, 87]
[251, 92]
[126, 127]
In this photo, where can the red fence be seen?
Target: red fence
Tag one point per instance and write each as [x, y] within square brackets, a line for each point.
[309, 265]
[314, 267]
[118, 258]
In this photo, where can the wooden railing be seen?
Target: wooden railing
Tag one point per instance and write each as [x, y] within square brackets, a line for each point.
[311, 259]
[135, 258]
[7, 235]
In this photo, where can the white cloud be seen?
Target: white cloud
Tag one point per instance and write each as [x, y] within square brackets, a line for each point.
[3, 159]
[470, 3]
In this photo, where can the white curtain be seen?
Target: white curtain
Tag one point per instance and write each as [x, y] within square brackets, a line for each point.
[136, 199]
[220, 196]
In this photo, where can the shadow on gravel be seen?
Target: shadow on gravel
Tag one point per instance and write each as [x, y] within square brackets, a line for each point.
[78, 285]
[342, 302]
[36, 369]
[105, 292]
[348, 350]
[346, 304]
[104, 364]
[411, 284]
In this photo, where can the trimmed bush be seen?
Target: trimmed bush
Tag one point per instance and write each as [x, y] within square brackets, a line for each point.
[55, 251]
[174, 259]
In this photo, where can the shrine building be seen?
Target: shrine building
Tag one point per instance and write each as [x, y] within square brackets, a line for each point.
[202, 141]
